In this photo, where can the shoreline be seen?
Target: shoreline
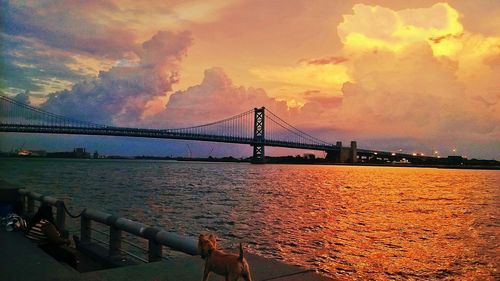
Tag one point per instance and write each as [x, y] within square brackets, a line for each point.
[272, 161]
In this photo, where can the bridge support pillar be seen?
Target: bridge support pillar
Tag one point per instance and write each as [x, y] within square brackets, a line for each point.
[258, 136]
[343, 154]
[353, 155]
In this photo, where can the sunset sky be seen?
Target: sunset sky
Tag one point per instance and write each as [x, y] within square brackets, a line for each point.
[413, 75]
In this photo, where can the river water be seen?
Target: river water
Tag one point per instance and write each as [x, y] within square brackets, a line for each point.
[346, 222]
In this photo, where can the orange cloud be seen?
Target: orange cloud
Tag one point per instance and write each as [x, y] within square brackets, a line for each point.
[215, 98]
[417, 73]
[322, 76]
[412, 73]
[382, 28]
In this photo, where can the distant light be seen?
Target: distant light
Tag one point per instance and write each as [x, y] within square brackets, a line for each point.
[393, 154]
[439, 156]
[421, 154]
[414, 154]
[375, 153]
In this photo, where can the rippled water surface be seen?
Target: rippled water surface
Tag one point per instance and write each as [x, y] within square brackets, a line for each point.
[347, 222]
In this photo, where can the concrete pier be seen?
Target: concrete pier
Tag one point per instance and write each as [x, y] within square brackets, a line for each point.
[21, 259]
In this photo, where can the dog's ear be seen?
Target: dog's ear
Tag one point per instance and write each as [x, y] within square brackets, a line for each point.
[212, 238]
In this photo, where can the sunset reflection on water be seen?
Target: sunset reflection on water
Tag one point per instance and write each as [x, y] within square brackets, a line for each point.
[347, 222]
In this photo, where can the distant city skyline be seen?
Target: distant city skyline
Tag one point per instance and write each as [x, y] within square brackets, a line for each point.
[420, 76]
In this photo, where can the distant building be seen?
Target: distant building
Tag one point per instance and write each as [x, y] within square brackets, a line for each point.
[309, 156]
[39, 153]
[96, 155]
[456, 160]
[80, 152]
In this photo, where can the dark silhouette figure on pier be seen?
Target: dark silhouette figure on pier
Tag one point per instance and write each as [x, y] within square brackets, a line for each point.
[42, 230]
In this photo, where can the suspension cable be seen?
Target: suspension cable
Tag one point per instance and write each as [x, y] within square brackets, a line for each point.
[294, 128]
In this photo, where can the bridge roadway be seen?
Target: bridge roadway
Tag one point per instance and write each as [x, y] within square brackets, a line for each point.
[176, 134]
[155, 133]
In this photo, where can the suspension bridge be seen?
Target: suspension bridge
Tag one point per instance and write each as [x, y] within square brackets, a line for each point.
[258, 127]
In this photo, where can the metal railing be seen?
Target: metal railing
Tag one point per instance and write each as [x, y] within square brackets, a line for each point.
[156, 237]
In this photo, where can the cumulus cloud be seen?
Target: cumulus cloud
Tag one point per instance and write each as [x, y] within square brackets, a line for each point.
[416, 72]
[48, 46]
[119, 96]
[375, 26]
[215, 98]
[413, 74]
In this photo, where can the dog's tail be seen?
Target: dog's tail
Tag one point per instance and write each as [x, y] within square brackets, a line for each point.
[241, 253]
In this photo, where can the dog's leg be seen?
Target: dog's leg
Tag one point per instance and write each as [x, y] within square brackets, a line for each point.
[246, 272]
[206, 275]
[206, 272]
[246, 276]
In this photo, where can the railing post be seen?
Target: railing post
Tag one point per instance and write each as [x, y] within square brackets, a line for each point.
[61, 218]
[115, 241]
[31, 205]
[154, 251]
[154, 248]
[85, 229]
[23, 204]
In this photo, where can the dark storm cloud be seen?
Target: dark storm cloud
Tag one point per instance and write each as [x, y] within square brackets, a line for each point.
[61, 25]
[23, 97]
[119, 96]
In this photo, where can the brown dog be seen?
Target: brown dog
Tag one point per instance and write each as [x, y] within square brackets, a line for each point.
[231, 266]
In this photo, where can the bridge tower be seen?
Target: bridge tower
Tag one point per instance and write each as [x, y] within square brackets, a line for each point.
[258, 136]
[342, 154]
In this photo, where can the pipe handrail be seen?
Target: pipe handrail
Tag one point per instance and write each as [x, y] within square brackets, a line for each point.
[172, 240]
[157, 237]
[40, 197]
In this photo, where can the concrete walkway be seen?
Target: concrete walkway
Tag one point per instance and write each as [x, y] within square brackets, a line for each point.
[21, 260]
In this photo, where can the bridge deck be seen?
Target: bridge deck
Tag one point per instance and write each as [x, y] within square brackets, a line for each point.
[159, 134]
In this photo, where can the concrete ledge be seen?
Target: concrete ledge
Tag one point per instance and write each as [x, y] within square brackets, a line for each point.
[187, 268]
[100, 254]
[21, 259]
